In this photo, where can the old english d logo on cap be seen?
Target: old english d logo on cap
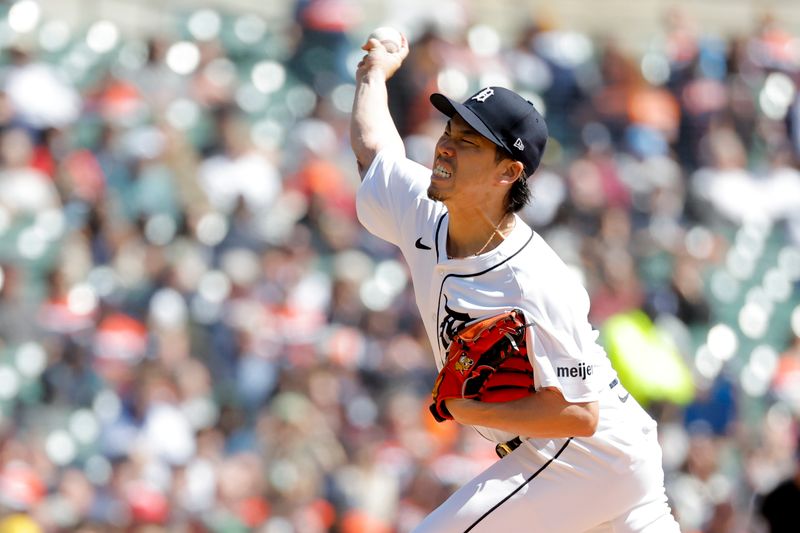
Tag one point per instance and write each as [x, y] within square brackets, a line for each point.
[483, 95]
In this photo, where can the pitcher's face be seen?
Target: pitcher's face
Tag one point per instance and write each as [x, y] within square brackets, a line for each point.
[464, 165]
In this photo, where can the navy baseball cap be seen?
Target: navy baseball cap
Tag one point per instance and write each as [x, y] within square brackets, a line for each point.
[505, 118]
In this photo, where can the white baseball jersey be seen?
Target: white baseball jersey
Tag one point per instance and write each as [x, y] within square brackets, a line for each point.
[522, 272]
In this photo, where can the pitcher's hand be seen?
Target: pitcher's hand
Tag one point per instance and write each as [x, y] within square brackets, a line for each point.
[381, 60]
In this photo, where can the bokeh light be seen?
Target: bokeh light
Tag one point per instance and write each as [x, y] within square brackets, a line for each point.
[84, 427]
[221, 72]
[789, 262]
[54, 35]
[342, 97]
[168, 309]
[60, 447]
[82, 299]
[31, 360]
[707, 364]
[268, 76]
[249, 28]
[205, 24]
[183, 114]
[483, 40]
[32, 243]
[722, 342]
[655, 68]
[214, 286]
[777, 95]
[212, 228]
[107, 406]
[9, 383]
[183, 57]
[250, 99]
[160, 229]
[103, 36]
[23, 16]
[453, 83]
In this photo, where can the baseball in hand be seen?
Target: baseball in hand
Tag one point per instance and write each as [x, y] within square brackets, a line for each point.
[390, 38]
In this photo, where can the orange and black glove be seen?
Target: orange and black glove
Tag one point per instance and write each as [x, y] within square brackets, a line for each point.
[486, 361]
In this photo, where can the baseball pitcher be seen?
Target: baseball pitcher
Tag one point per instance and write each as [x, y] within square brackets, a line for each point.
[508, 324]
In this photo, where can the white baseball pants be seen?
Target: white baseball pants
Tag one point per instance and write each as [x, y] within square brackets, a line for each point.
[567, 486]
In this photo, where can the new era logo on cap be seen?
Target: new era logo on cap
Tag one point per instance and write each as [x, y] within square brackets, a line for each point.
[505, 118]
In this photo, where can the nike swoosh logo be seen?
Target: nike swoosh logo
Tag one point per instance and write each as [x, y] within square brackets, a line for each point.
[421, 246]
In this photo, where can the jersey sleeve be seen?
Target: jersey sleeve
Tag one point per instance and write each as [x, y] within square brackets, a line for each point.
[558, 362]
[562, 344]
[392, 188]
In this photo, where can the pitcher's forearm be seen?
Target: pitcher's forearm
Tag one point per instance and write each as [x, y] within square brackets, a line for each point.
[545, 414]
[371, 126]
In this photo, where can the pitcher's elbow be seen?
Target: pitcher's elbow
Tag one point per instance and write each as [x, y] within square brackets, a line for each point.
[588, 420]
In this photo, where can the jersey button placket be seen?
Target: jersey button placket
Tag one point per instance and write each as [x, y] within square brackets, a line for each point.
[436, 290]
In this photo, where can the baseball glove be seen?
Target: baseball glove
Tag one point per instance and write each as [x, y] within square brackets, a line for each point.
[487, 361]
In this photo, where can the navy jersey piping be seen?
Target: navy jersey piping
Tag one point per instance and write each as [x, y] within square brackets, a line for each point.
[444, 279]
[508, 496]
[436, 235]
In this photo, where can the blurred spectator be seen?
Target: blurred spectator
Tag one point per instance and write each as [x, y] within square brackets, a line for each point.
[779, 506]
[39, 94]
[235, 173]
[323, 43]
[725, 182]
[24, 190]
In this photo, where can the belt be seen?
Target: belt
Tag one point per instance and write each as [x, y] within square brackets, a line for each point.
[505, 448]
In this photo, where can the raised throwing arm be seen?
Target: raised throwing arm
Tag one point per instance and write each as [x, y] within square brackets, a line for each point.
[371, 126]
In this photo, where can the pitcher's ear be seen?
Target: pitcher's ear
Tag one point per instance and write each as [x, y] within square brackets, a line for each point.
[511, 172]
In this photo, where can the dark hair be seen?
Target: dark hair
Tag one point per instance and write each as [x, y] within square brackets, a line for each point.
[519, 194]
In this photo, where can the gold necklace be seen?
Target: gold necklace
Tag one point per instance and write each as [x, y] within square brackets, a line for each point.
[495, 231]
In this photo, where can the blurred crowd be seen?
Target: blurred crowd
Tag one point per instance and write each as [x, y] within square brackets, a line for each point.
[197, 335]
